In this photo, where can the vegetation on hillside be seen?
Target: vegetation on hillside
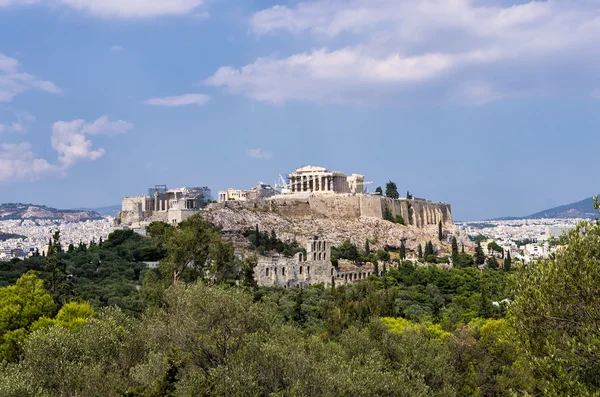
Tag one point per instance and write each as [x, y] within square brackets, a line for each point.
[207, 329]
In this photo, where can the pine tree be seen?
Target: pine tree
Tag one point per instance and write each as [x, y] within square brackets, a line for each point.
[463, 248]
[420, 251]
[71, 248]
[403, 250]
[455, 254]
[440, 232]
[383, 273]
[507, 262]
[479, 256]
[379, 190]
[367, 247]
[391, 190]
[100, 242]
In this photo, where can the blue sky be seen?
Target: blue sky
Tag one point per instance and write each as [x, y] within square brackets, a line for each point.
[490, 105]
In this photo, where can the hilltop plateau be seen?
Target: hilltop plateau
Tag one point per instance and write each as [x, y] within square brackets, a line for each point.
[379, 232]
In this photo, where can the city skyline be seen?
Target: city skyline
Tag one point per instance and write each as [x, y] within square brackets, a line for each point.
[490, 106]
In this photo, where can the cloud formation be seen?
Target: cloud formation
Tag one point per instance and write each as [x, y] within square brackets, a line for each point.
[69, 139]
[180, 100]
[259, 154]
[13, 81]
[17, 162]
[120, 8]
[412, 51]
[12, 128]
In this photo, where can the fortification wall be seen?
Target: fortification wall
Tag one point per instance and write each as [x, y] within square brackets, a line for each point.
[419, 213]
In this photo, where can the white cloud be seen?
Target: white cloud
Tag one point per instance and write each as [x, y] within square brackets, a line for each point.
[120, 8]
[13, 81]
[180, 100]
[69, 138]
[116, 48]
[6, 3]
[411, 51]
[17, 162]
[12, 128]
[259, 154]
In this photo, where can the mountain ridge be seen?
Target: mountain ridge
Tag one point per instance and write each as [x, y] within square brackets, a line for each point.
[20, 211]
[580, 209]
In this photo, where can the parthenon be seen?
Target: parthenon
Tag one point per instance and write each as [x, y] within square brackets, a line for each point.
[311, 179]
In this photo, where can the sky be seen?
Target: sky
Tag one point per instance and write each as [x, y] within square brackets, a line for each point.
[490, 105]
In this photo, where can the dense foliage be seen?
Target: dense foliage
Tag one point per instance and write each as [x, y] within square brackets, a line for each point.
[412, 331]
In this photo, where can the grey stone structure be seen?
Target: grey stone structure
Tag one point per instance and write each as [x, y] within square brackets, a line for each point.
[170, 206]
[303, 270]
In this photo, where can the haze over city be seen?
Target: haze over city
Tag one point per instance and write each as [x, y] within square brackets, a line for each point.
[491, 106]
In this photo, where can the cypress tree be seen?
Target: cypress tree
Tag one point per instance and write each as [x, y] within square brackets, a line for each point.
[256, 237]
[420, 251]
[455, 254]
[403, 250]
[367, 247]
[479, 256]
[507, 262]
[440, 232]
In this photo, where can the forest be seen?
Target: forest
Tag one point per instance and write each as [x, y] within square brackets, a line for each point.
[96, 320]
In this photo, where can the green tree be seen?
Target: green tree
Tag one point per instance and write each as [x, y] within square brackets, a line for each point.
[379, 190]
[479, 257]
[556, 312]
[508, 262]
[55, 266]
[429, 249]
[383, 256]
[391, 190]
[455, 253]
[367, 247]
[403, 250]
[419, 251]
[491, 262]
[20, 306]
[440, 231]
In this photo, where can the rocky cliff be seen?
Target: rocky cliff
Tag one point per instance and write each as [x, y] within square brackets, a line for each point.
[339, 218]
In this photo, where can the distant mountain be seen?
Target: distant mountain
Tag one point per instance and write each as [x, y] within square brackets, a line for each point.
[112, 210]
[581, 209]
[34, 212]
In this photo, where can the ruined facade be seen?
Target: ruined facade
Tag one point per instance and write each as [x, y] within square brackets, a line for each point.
[161, 204]
[258, 192]
[311, 179]
[303, 270]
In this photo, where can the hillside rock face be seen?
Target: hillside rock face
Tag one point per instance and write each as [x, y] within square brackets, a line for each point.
[33, 212]
[335, 222]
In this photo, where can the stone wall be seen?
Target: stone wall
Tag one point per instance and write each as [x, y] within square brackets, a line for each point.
[419, 213]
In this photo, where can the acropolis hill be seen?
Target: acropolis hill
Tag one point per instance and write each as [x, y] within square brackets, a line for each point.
[336, 218]
[312, 202]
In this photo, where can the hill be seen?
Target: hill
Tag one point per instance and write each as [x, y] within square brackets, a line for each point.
[111, 210]
[34, 212]
[581, 209]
